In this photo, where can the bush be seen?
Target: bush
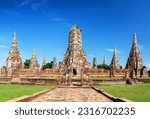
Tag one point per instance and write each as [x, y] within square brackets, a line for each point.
[102, 66]
[48, 65]
[27, 63]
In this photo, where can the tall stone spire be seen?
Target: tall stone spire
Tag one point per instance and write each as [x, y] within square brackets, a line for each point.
[114, 62]
[34, 62]
[14, 61]
[94, 62]
[54, 65]
[105, 61]
[134, 62]
[44, 61]
[75, 57]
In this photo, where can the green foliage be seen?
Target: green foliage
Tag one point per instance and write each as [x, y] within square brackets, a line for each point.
[121, 67]
[102, 66]
[9, 91]
[48, 65]
[27, 63]
[137, 93]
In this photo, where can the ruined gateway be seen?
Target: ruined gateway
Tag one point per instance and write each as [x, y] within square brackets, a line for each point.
[74, 62]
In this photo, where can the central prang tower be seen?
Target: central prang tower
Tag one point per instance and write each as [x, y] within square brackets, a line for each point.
[75, 57]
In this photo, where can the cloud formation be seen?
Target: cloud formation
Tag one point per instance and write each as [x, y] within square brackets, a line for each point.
[112, 50]
[25, 2]
[35, 4]
[3, 46]
[141, 47]
[42, 6]
[147, 64]
[90, 55]
[61, 21]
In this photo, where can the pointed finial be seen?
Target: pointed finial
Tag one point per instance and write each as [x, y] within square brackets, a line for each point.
[14, 34]
[44, 60]
[134, 38]
[134, 35]
[75, 27]
[115, 51]
[14, 38]
[34, 53]
[104, 62]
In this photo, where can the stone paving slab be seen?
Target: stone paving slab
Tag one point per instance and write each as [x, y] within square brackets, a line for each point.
[72, 95]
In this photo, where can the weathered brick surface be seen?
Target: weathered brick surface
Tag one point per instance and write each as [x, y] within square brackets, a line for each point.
[72, 95]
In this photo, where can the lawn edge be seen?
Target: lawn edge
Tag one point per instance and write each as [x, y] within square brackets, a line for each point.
[113, 98]
[28, 98]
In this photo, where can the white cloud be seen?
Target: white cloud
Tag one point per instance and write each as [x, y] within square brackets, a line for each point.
[38, 4]
[90, 55]
[112, 50]
[147, 64]
[33, 3]
[57, 19]
[25, 2]
[60, 20]
[2, 62]
[3, 46]
[141, 47]
[12, 13]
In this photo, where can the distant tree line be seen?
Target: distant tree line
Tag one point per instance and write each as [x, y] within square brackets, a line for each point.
[47, 65]
[102, 66]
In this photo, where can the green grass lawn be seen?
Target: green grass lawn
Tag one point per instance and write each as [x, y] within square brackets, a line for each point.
[9, 91]
[137, 93]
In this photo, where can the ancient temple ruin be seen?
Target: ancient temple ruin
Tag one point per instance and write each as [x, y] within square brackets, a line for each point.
[114, 64]
[34, 62]
[13, 61]
[75, 57]
[74, 62]
[134, 63]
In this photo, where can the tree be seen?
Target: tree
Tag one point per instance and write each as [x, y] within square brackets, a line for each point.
[102, 66]
[27, 63]
[121, 67]
[47, 65]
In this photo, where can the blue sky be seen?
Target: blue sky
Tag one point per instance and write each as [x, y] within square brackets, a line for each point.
[44, 25]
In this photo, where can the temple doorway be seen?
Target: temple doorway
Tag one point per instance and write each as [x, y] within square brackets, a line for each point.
[74, 72]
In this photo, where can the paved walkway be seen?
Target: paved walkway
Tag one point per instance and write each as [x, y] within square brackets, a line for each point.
[72, 95]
